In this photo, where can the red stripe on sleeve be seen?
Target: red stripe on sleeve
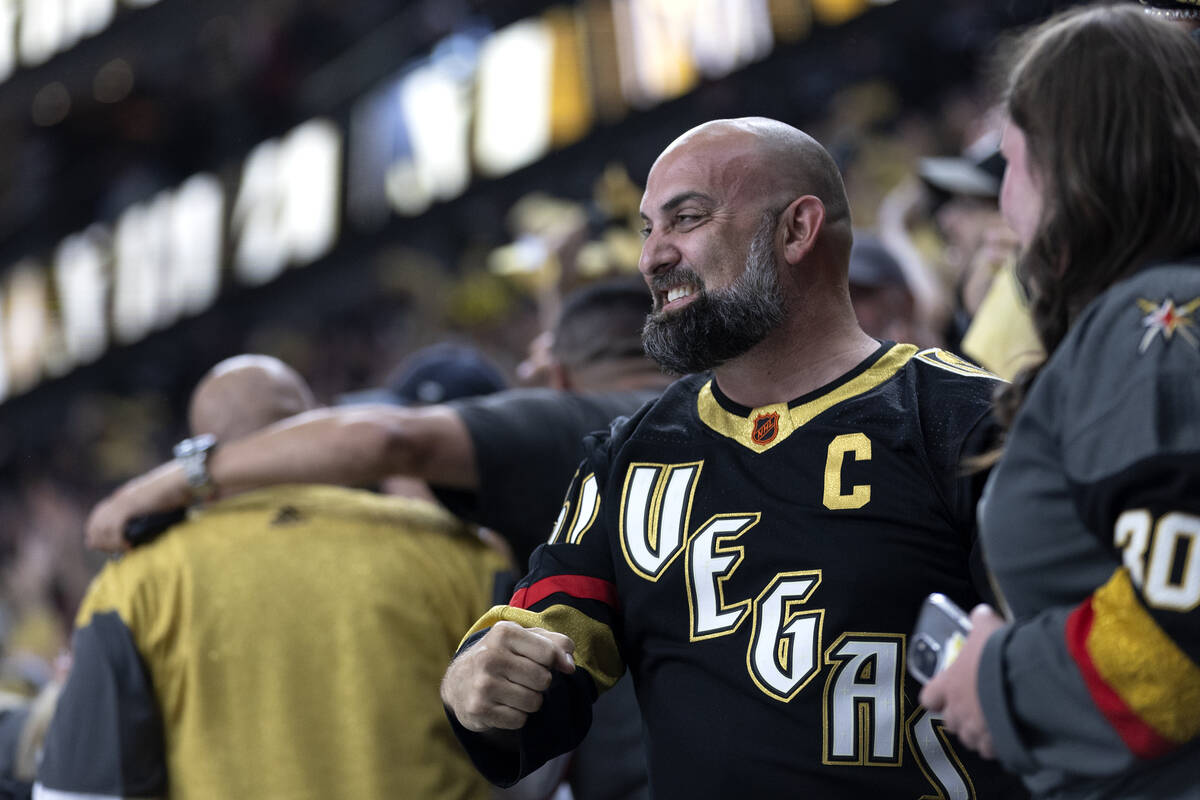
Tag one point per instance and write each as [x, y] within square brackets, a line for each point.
[1142, 740]
[578, 586]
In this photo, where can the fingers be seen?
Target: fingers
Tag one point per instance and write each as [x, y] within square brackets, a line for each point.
[984, 619]
[498, 683]
[163, 488]
[953, 693]
[933, 696]
[547, 648]
[973, 734]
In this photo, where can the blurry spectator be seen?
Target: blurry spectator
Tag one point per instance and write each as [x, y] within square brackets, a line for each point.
[1000, 334]
[24, 721]
[953, 198]
[879, 292]
[283, 643]
[435, 374]
[1091, 518]
[503, 461]
[465, 450]
[979, 253]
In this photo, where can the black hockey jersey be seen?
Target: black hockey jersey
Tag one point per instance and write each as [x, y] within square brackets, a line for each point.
[759, 571]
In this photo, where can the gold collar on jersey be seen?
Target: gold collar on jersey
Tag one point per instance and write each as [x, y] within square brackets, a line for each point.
[766, 426]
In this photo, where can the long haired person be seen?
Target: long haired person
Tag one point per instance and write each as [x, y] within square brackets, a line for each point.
[1091, 519]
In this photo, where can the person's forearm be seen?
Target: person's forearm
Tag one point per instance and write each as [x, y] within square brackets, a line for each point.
[338, 446]
[347, 446]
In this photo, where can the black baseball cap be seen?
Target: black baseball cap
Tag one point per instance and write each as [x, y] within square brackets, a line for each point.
[435, 374]
[872, 266]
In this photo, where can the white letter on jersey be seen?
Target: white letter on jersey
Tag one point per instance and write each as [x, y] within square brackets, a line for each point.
[585, 512]
[936, 758]
[656, 504]
[710, 562]
[785, 647]
[864, 700]
[860, 495]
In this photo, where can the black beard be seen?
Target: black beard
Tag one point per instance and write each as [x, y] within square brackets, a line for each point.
[720, 325]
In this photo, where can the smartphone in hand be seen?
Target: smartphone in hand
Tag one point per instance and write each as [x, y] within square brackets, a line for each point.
[938, 637]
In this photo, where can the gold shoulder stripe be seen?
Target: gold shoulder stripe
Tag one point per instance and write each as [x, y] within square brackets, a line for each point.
[952, 363]
[595, 645]
[1141, 663]
[741, 429]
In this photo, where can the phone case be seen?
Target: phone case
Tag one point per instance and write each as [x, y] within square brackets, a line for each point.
[938, 637]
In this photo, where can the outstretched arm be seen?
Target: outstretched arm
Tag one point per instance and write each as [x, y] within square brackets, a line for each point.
[347, 445]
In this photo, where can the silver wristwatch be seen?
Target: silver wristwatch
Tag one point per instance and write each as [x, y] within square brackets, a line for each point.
[192, 455]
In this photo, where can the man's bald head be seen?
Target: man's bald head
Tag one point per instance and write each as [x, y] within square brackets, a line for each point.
[244, 393]
[771, 159]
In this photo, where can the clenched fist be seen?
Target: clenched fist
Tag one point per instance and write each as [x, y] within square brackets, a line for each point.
[498, 683]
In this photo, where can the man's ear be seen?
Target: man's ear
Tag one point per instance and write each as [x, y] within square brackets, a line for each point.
[803, 220]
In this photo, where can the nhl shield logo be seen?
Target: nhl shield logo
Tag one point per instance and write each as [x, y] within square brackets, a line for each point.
[766, 427]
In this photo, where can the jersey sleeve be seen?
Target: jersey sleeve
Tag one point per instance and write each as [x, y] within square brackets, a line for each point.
[542, 430]
[1096, 687]
[570, 589]
[106, 739]
[961, 433]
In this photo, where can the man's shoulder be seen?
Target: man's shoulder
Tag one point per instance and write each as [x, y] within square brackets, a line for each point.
[580, 412]
[952, 400]
[936, 368]
[948, 387]
[669, 413]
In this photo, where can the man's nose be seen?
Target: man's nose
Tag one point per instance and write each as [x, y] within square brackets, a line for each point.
[658, 254]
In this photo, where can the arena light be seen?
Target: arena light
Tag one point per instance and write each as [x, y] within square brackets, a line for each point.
[666, 45]
[33, 31]
[286, 211]
[731, 34]
[81, 281]
[436, 106]
[517, 93]
[654, 49]
[28, 334]
[570, 100]
[512, 125]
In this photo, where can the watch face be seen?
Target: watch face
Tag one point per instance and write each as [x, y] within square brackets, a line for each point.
[192, 455]
[195, 445]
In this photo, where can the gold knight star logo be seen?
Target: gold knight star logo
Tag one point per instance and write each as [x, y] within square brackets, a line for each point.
[1168, 319]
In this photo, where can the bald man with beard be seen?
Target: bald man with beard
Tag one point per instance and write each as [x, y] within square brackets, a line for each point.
[279, 643]
[755, 545]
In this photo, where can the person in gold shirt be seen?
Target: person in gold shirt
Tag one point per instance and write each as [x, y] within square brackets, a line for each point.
[280, 643]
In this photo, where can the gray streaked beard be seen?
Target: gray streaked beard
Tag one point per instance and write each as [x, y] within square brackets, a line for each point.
[724, 323]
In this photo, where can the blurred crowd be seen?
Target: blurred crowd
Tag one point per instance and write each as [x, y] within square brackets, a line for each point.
[930, 240]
